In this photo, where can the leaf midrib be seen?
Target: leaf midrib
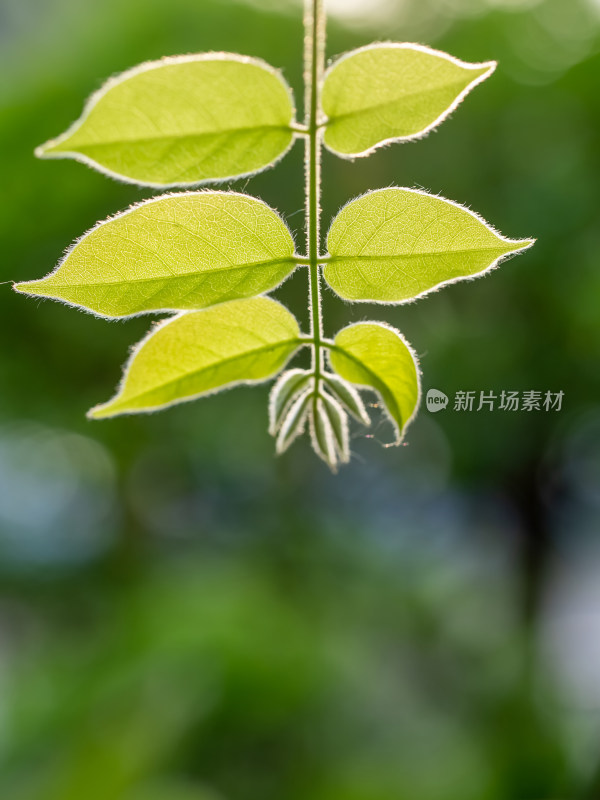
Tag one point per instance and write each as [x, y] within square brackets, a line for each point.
[168, 278]
[175, 135]
[276, 345]
[424, 254]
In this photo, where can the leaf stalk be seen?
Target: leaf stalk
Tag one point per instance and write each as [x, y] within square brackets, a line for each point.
[314, 62]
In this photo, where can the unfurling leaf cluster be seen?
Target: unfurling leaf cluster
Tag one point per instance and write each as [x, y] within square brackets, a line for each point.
[210, 256]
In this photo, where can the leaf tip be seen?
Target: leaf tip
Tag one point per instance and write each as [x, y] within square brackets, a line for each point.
[26, 287]
[39, 288]
[53, 147]
[487, 68]
[522, 244]
[102, 411]
[44, 150]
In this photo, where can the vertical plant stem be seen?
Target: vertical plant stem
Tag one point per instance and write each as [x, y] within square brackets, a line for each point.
[314, 58]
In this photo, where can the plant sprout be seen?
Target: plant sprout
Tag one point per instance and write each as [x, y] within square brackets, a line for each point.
[211, 257]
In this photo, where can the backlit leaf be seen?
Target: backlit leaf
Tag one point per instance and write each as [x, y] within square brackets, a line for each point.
[393, 245]
[286, 389]
[347, 396]
[389, 92]
[294, 421]
[322, 435]
[176, 252]
[200, 352]
[183, 120]
[376, 356]
[339, 425]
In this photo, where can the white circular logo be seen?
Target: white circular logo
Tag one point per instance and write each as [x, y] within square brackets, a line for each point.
[436, 400]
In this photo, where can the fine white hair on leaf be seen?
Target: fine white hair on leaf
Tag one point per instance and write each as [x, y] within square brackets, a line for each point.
[294, 422]
[338, 419]
[321, 434]
[285, 390]
[347, 396]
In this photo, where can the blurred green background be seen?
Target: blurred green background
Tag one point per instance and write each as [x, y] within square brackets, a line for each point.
[185, 617]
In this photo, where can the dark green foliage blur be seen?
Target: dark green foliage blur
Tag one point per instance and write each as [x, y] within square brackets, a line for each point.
[184, 616]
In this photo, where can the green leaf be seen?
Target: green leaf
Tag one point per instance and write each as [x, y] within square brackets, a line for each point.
[183, 120]
[284, 392]
[347, 397]
[392, 92]
[294, 421]
[376, 356]
[176, 252]
[393, 245]
[322, 435]
[200, 352]
[338, 421]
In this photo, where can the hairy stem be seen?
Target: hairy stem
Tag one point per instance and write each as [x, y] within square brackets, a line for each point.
[314, 58]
